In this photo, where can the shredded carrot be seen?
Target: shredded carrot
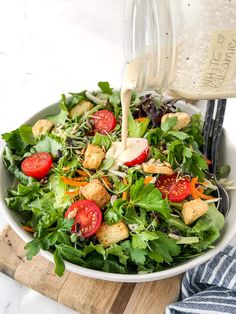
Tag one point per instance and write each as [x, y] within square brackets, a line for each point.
[82, 173]
[197, 193]
[204, 196]
[73, 182]
[148, 180]
[200, 190]
[107, 182]
[193, 189]
[72, 192]
[194, 180]
[124, 195]
[27, 228]
[140, 119]
[80, 179]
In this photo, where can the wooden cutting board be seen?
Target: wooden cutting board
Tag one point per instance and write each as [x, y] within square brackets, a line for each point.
[83, 294]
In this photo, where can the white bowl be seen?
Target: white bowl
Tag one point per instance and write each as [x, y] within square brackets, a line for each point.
[229, 148]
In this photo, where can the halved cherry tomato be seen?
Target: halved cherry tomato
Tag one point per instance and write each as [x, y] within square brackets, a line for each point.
[87, 214]
[176, 189]
[37, 165]
[104, 121]
[137, 161]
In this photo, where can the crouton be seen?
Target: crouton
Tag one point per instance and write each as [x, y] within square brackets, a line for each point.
[192, 210]
[80, 108]
[41, 127]
[155, 166]
[183, 119]
[110, 234]
[93, 157]
[95, 191]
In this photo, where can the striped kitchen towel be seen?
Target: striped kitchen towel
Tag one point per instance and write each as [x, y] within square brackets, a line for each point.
[209, 288]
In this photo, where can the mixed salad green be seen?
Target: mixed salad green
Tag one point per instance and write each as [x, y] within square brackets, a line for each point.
[81, 201]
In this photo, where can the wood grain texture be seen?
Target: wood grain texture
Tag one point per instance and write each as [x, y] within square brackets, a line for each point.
[39, 275]
[152, 297]
[89, 295]
[122, 298]
[85, 295]
[11, 251]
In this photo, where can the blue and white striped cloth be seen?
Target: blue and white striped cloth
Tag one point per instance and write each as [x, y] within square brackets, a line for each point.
[209, 288]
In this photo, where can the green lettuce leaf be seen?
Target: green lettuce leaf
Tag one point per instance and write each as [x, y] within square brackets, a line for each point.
[59, 263]
[163, 249]
[138, 256]
[25, 132]
[61, 117]
[67, 161]
[207, 228]
[71, 254]
[198, 166]
[44, 209]
[114, 101]
[19, 139]
[102, 141]
[95, 247]
[112, 265]
[177, 223]
[223, 171]
[133, 217]
[76, 98]
[157, 245]
[137, 129]
[141, 240]
[68, 103]
[179, 134]
[49, 144]
[191, 161]
[118, 251]
[156, 154]
[154, 136]
[19, 199]
[59, 187]
[115, 212]
[168, 124]
[107, 163]
[149, 198]
[105, 87]
[50, 239]
[32, 248]
[194, 129]
[12, 163]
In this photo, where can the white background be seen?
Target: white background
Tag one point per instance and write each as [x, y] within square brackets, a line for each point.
[49, 47]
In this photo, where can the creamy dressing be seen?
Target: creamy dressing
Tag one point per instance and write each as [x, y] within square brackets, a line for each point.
[129, 83]
[129, 148]
[135, 147]
[125, 102]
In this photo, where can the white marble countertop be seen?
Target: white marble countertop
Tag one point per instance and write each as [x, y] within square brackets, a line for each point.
[49, 47]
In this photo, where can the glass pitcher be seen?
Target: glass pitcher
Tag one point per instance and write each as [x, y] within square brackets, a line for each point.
[187, 47]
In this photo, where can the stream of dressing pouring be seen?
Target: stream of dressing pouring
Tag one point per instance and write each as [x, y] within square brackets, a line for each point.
[129, 83]
[129, 148]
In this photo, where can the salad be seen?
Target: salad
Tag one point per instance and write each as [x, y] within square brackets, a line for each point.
[87, 202]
